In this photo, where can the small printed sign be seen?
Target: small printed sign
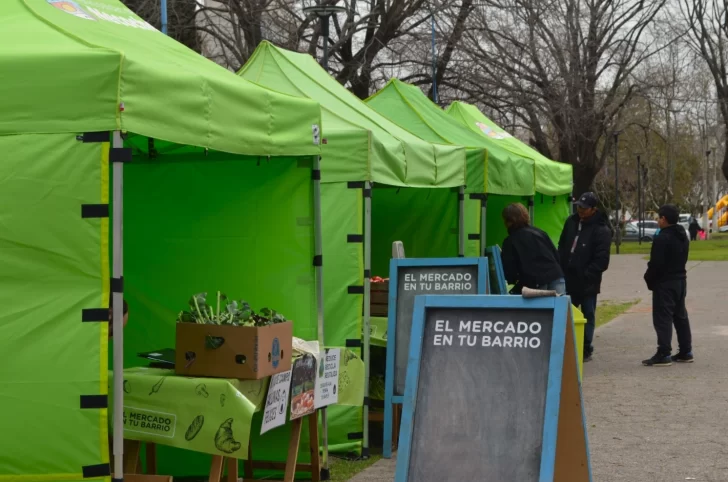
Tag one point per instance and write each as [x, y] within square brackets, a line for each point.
[327, 378]
[303, 384]
[276, 404]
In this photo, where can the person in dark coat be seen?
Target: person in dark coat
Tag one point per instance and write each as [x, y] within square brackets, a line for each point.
[584, 254]
[694, 228]
[529, 256]
[666, 277]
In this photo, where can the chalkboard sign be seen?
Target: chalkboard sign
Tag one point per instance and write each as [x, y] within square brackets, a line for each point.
[496, 275]
[413, 277]
[409, 278]
[484, 386]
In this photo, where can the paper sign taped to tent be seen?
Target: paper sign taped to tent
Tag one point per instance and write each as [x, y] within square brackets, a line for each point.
[327, 378]
[276, 403]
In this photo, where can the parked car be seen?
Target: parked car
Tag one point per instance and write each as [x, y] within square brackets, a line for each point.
[631, 231]
[684, 220]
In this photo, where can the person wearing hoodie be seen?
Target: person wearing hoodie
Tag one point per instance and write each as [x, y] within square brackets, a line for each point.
[584, 255]
[666, 277]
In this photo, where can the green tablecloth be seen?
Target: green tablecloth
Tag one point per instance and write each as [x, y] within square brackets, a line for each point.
[209, 415]
[378, 331]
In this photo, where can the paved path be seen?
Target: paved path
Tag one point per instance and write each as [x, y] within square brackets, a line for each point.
[665, 424]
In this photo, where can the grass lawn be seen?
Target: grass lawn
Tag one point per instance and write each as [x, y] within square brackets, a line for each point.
[715, 249]
[608, 310]
[344, 469]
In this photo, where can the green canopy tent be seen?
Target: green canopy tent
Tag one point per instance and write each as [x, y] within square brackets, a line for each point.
[553, 180]
[491, 169]
[511, 169]
[362, 149]
[85, 85]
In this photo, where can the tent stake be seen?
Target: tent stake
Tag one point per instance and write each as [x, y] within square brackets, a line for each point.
[118, 311]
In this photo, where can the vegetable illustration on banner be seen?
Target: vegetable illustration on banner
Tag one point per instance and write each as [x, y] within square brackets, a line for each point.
[327, 378]
[277, 401]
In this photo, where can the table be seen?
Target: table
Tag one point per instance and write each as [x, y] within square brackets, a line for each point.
[208, 415]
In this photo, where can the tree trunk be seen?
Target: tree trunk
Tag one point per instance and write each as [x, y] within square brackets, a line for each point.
[583, 178]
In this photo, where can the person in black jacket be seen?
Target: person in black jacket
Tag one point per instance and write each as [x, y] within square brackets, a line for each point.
[694, 228]
[529, 256]
[666, 277]
[584, 254]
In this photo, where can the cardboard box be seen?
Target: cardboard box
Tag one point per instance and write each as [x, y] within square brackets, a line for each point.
[247, 352]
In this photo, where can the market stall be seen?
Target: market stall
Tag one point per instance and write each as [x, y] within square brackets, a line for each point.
[93, 97]
[499, 165]
[367, 158]
[553, 181]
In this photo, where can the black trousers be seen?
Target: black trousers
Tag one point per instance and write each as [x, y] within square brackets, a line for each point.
[668, 309]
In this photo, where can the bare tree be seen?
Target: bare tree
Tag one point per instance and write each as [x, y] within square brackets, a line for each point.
[566, 67]
[371, 41]
[180, 18]
[708, 23]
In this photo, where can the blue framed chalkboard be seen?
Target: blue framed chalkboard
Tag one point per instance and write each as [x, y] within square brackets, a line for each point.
[489, 411]
[498, 286]
[410, 277]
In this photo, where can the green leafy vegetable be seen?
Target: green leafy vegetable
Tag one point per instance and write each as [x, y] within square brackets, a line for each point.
[226, 312]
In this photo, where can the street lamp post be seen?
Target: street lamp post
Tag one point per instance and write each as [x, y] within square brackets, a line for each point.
[163, 15]
[706, 225]
[639, 201]
[434, 58]
[324, 13]
[618, 237]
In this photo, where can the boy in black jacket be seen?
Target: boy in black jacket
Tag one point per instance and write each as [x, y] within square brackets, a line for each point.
[666, 277]
[584, 255]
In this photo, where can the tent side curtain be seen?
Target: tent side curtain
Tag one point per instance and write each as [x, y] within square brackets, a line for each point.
[394, 156]
[106, 69]
[53, 266]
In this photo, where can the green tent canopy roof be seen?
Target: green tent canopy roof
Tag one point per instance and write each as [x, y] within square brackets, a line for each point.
[92, 65]
[491, 167]
[359, 143]
[552, 178]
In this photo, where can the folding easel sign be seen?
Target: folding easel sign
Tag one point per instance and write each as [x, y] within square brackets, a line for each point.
[492, 392]
[408, 278]
[498, 284]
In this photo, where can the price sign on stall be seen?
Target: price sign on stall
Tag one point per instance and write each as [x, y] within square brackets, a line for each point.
[276, 404]
[327, 378]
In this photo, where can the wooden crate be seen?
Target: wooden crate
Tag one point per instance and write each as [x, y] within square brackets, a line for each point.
[379, 302]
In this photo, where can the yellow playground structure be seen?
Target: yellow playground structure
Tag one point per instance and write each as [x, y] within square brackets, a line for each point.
[722, 208]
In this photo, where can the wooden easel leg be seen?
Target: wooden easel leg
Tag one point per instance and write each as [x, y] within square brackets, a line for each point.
[292, 450]
[232, 470]
[395, 428]
[313, 437]
[132, 449]
[249, 463]
[216, 468]
[151, 458]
